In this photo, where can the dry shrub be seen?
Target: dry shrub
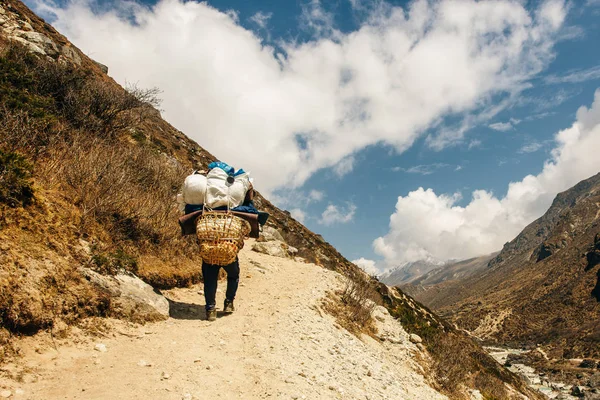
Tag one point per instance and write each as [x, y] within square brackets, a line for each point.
[450, 371]
[359, 297]
[129, 189]
[457, 361]
[355, 304]
[20, 132]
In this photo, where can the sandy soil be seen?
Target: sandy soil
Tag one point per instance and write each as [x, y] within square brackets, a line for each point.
[278, 344]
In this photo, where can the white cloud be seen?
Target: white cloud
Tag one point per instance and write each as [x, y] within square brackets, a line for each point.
[429, 225]
[501, 126]
[316, 195]
[473, 144]
[531, 147]
[344, 167]
[369, 266]
[388, 82]
[318, 21]
[576, 76]
[549, 101]
[334, 214]
[261, 19]
[424, 169]
[298, 215]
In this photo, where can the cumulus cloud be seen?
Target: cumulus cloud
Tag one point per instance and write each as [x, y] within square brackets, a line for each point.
[315, 103]
[426, 224]
[337, 215]
[369, 266]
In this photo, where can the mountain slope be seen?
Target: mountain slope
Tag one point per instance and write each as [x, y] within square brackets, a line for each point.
[542, 288]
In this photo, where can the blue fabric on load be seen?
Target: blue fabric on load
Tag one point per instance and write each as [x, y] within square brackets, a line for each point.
[190, 208]
[239, 172]
[248, 208]
[229, 170]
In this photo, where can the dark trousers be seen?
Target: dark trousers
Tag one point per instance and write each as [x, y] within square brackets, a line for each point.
[211, 276]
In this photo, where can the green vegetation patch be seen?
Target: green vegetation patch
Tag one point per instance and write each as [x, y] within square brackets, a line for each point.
[15, 179]
[112, 263]
[19, 79]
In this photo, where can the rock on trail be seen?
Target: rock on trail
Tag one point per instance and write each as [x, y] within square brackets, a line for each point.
[278, 344]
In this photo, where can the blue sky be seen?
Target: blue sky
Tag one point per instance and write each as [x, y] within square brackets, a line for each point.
[357, 165]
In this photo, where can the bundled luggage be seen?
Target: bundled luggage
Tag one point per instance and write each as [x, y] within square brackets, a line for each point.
[208, 202]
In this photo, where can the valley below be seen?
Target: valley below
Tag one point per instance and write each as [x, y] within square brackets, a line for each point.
[567, 381]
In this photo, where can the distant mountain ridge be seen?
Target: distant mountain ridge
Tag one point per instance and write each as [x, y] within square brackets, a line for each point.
[543, 287]
[448, 273]
[410, 271]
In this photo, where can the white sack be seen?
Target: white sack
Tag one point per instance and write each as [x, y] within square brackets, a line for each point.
[194, 189]
[219, 193]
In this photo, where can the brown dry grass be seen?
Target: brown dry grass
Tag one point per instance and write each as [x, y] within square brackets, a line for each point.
[353, 306]
[100, 198]
[39, 280]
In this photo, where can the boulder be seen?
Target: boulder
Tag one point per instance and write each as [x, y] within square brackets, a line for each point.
[415, 338]
[39, 41]
[275, 248]
[380, 313]
[102, 67]
[270, 234]
[131, 298]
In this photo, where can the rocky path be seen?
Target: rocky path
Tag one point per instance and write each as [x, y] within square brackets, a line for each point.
[279, 344]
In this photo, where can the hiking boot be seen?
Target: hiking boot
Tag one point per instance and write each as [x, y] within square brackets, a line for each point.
[211, 315]
[228, 307]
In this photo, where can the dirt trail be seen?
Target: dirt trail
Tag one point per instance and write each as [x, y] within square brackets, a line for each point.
[278, 344]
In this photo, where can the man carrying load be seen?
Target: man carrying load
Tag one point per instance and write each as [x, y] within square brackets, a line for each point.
[221, 205]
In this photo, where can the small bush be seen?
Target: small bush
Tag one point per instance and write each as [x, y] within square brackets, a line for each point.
[359, 298]
[15, 183]
[112, 263]
[355, 305]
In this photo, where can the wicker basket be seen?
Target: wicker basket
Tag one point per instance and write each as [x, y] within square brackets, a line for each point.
[221, 236]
